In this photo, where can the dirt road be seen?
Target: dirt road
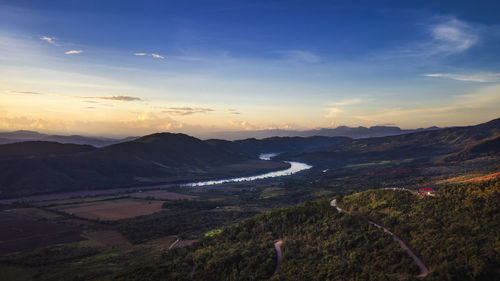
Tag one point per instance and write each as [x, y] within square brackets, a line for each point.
[279, 254]
[423, 269]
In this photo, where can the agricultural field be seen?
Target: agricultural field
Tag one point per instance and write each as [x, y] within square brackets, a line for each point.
[21, 232]
[109, 210]
[163, 195]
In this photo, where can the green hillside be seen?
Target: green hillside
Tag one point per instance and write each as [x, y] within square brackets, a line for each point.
[456, 234]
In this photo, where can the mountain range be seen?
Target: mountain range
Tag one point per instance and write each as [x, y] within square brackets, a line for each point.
[24, 135]
[39, 166]
[341, 131]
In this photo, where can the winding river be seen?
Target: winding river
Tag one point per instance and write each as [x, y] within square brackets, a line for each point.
[295, 167]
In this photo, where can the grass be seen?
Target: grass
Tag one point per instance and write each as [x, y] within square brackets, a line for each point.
[112, 209]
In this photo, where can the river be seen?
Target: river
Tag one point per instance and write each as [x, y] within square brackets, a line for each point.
[295, 167]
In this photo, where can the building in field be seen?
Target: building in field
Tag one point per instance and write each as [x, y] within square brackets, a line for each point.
[427, 191]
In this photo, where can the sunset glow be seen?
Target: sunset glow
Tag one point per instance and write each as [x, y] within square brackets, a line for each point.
[117, 70]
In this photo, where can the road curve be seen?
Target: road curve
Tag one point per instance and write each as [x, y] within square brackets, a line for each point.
[173, 244]
[423, 269]
[279, 254]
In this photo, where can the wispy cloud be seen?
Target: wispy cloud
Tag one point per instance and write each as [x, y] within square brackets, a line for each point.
[484, 100]
[347, 102]
[73, 52]
[116, 98]
[156, 56]
[233, 111]
[332, 112]
[478, 77]
[453, 36]
[300, 56]
[23, 93]
[445, 36]
[245, 125]
[334, 108]
[187, 110]
[51, 40]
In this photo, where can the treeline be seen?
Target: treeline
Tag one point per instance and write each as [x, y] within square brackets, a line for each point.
[192, 204]
[457, 233]
[319, 243]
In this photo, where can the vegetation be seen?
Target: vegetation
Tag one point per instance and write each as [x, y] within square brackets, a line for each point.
[456, 233]
[319, 244]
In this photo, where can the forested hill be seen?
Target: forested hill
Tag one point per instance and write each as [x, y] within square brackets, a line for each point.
[39, 167]
[421, 146]
[279, 144]
[456, 234]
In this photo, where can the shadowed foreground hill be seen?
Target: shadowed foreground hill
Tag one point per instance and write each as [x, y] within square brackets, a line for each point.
[38, 167]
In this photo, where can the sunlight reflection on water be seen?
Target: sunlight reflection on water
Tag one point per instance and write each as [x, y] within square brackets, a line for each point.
[295, 167]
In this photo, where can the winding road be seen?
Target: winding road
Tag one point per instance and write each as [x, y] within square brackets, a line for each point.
[279, 254]
[423, 269]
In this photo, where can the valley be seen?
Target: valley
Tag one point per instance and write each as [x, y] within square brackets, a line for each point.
[179, 231]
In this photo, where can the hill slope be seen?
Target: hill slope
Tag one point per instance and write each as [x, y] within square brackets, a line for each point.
[280, 144]
[421, 146]
[455, 233]
[23, 135]
[38, 167]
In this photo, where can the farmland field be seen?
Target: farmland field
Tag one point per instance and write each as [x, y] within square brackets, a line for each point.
[20, 232]
[163, 195]
[112, 209]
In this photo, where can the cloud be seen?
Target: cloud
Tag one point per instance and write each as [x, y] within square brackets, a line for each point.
[116, 98]
[242, 125]
[300, 56]
[347, 102]
[445, 36]
[156, 56]
[186, 110]
[233, 111]
[51, 40]
[332, 111]
[23, 93]
[477, 105]
[453, 36]
[137, 124]
[72, 52]
[478, 77]
[334, 108]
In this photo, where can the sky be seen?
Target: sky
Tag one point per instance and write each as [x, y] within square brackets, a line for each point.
[119, 68]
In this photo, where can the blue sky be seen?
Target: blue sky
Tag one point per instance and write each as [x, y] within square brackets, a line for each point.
[137, 67]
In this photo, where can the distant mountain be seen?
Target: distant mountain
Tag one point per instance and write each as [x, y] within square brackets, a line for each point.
[40, 167]
[280, 144]
[23, 135]
[33, 149]
[341, 131]
[418, 146]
